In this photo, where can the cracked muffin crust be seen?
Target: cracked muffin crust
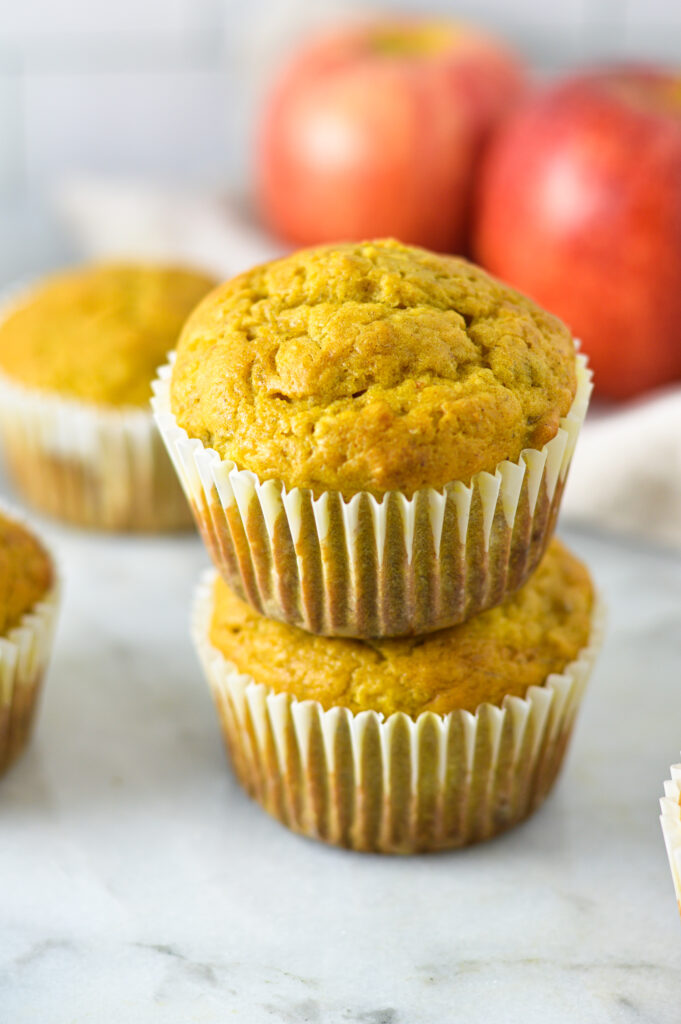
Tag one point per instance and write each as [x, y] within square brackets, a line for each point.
[537, 631]
[373, 366]
[98, 333]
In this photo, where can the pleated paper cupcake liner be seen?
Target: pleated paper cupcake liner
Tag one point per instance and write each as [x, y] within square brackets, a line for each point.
[368, 567]
[91, 466]
[671, 826]
[396, 784]
[24, 655]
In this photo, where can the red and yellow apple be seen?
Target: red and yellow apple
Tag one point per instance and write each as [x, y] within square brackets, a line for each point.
[580, 206]
[374, 130]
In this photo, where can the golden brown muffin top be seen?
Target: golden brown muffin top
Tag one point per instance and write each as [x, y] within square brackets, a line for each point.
[373, 366]
[99, 333]
[537, 631]
[26, 573]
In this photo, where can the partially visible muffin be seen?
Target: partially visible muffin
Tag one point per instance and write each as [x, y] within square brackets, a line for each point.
[28, 607]
[77, 356]
[411, 744]
[371, 367]
[26, 573]
[98, 334]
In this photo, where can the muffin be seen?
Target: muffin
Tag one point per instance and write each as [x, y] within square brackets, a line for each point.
[404, 744]
[77, 357]
[671, 826]
[28, 610]
[374, 438]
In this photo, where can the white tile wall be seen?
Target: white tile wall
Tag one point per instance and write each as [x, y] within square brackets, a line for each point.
[12, 150]
[168, 87]
[656, 15]
[31, 18]
[164, 124]
[653, 30]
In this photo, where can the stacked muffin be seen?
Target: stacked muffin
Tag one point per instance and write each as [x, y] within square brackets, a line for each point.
[374, 440]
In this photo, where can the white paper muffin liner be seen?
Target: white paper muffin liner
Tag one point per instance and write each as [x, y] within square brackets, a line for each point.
[24, 655]
[368, 567]
[87, 464]
[671, 826]
[396, 784]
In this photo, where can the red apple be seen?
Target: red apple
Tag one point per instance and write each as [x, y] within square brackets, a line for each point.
[374, 130]
[580, 207]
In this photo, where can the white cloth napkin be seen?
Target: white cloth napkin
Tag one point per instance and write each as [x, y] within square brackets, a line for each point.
[626, 474]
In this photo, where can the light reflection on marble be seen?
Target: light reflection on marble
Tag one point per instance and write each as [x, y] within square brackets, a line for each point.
[139, 884]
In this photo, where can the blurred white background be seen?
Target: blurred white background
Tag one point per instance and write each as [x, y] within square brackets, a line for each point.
[167, 88]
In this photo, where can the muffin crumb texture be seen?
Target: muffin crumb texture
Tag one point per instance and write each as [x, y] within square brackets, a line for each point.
[98, 334]
[26, 573]
[372, 366]
[503, 651]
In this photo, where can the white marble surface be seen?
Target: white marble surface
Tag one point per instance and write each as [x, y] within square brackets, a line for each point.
[139, 884]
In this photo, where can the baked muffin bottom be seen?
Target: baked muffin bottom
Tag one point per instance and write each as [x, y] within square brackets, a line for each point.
[397, 784]
[77, 492]
[365, 567]
[89, 466]
[18, 715]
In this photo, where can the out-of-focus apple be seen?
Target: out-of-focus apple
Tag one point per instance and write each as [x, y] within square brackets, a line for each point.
[374, 130]
[580, 207]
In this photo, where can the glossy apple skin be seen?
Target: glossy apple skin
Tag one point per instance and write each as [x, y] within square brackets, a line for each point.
[580, 207]
[358, 143]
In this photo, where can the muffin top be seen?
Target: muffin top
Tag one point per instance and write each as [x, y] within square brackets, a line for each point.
[373, 366]
[537, 631]
[99, 333]
[26, 573]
